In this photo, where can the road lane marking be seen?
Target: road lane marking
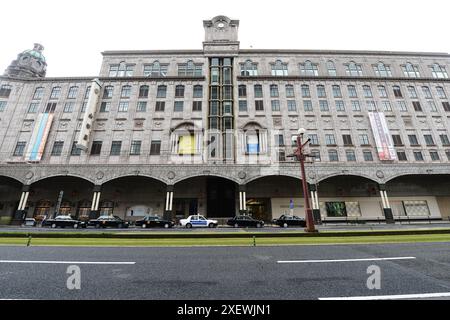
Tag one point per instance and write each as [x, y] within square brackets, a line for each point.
[346, 260]
[70, 262]
[394, 297]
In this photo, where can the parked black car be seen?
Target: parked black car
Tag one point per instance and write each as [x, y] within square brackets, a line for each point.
[245, 221]
[287, 221]
[154, 221]
[109, 221]
[64, 221]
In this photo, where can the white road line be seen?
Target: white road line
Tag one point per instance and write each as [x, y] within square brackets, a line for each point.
[346, 260]
[68, 262]
[394, 297]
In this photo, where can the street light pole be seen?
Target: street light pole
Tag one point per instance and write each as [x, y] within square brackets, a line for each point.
[300, 155]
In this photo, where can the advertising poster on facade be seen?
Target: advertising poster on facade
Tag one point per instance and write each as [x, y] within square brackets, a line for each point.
[383, 139]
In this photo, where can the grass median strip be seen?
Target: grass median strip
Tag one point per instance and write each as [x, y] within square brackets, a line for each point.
[260, 241]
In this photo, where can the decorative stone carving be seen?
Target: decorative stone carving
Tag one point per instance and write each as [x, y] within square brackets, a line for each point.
[29, 175]
[242, 175]
[380, 174]
[100, 175]
[171, 175]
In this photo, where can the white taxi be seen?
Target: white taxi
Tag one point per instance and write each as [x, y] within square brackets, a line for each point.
[198, 221]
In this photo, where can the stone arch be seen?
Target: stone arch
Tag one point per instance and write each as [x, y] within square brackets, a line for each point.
[218, 175]
[133, 175]
[273, 175]
[333, 175]
[72, 175]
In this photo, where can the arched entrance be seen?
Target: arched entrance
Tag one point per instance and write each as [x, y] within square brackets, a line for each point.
[270, 197]
[10, 191]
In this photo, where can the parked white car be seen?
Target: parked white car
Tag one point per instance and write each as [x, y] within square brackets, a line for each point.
[198, 221]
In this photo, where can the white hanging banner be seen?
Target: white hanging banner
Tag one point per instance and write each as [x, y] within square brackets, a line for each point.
[383, 138]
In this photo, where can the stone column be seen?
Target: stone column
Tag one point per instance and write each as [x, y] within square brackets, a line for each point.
[243, 199]
[168, 206]
[315, 203]
[386, 205]
[21, 213]
[95, 212]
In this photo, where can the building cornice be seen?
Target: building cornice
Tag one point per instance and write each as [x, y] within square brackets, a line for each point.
[338, 78]
[104, 79]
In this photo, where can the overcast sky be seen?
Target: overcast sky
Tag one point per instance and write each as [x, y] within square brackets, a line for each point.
[74, 33]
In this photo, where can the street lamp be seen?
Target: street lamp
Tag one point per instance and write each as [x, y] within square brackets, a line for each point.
[301, 156]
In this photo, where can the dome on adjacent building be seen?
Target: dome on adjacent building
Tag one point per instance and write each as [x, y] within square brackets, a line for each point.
[29, 64]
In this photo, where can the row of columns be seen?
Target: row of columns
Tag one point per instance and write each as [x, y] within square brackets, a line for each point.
[168, 207]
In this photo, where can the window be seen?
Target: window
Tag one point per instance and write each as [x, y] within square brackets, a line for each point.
[439, 72]
[50, 108]
[243, 105]
[367, 92]
[397, 92]
[135, 149]
[56, 93]
[73, 91]
[347, 140]
[143, 91]
[417, 106]
[323, 105]
[386, 105]
[179, 91]
[96, 148]
[333, 155]
[259, 106]
[412, 92]
[161, 92]
[290, 91]
[356, 106]
[198, 91]
[382, 70]
[20, 148]
[352, 69]
[178, 106]
[429, 140]
[190, 69]
[258, 91]
[292, 105]
[197, 106]
[274, 91]
[87, 93]
[411, 71]
[314, 139]
[382, 92]
[279, 140]
[371, 105]
[413, 140]
[249, 68]
[331, 68]
[75, 151]
[108, 92]
[155, 148]
[367, 155]
[321, 93]
[418, 156]
[447, 153]
[116, 147]
[275, 105]
[434, 155]
[57, 148]
[279, 68]
[352, 92]
[281, 155]
[33, 107]
[105, 106]
[305, 91]
[123, 106]
[432, 106]
[401, 155]
[441, 93]
[160, 106]
[340, 106]
[68, 107]
[2, 106]
[337, 91]
[444, 139]
[126, 92]
[397, 140]
[121, 70]
[155, 69]
[364, 139]
[350, 154]
[402, 106]
[141, 106]
[307, 105]
[5, 91]
[309, 69]
[38, 93]
[330, 140]
[427, 93]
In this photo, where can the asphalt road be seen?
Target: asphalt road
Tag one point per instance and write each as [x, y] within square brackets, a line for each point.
[204, 273]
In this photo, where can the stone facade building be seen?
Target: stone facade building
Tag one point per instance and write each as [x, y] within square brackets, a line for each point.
[175, 132]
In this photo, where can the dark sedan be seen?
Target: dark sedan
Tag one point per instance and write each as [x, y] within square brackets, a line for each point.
[287, 221]
[109, 221]
[64, 221]
[245, 221]
[154, 221]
